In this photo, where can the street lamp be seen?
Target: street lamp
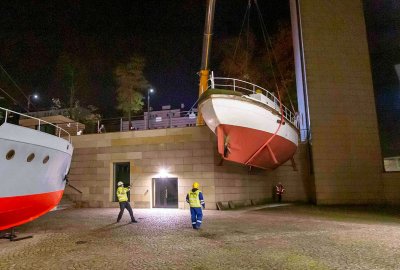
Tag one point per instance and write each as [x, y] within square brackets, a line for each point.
[151, 90]
[34, 96]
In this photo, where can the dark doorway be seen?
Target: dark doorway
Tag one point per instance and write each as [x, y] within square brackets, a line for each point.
[165, 192]
[121, 173]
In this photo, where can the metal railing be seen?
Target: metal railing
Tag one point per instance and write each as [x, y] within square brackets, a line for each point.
[13, 117]
[157, 120]
[250, 88]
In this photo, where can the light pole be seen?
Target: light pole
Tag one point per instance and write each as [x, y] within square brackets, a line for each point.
[35, 96]
[151, 90]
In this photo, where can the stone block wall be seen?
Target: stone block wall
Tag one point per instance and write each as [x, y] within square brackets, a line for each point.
[391, 191]
[189, 154]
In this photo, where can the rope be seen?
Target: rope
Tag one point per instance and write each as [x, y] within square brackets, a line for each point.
[193, 106]
[4, 91]
[266, 144]
[16, 85]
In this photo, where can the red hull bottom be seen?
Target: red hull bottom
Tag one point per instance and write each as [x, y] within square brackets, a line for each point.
[15, 211]
[239, 144]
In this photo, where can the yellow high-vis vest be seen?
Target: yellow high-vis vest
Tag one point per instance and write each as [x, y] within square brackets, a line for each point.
[122, 194]
[194, 199]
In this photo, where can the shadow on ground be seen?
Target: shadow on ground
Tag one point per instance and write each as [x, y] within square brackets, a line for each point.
[279, 237]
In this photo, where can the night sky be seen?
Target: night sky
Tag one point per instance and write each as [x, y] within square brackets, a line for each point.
[101, 34]
[383, 27]
[35, 35]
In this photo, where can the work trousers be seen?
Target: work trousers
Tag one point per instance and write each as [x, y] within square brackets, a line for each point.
[197, 216]
[122, 206]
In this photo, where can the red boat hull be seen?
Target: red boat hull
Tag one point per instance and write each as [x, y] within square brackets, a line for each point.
[248, 146]
[18, 210]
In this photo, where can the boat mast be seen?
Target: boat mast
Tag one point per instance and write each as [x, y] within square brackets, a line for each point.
[204, 71]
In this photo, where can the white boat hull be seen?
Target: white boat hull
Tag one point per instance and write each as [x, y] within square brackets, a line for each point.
[249, 132]
[29, 189]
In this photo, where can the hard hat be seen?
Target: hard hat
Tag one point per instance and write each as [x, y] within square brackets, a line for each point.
[196, 185]
[120, 183]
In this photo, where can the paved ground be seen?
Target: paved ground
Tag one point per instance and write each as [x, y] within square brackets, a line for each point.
[285, 237]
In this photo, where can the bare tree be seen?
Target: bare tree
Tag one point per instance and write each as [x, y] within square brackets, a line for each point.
[268, 65]
[72, 75]
[237, 58]
[283, 59]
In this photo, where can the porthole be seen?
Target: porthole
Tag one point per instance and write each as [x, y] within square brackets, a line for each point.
[46, 159]
[10, 154]
[30, 157]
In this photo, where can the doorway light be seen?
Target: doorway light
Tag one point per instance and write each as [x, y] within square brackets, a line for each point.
[163, 173]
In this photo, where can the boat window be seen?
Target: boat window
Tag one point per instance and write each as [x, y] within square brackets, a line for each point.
[46, 159]
[30, 157]
[10, 154]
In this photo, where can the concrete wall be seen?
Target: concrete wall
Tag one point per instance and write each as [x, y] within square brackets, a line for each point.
[346, 155]
[190, 154]
[391, 183]
[233, 182]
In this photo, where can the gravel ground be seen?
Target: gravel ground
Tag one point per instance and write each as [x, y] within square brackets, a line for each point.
[284, 237]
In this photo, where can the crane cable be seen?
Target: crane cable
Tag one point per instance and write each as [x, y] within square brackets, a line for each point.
[268, 42]
[246, 67]
[245, 19]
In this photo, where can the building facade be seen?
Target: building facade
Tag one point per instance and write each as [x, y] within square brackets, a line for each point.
[165, 118]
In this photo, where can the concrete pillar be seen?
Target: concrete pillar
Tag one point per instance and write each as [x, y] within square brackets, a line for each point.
[334, 75]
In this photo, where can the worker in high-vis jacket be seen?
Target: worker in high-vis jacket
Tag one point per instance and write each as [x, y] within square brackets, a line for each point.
[122, 195]
[196, 201]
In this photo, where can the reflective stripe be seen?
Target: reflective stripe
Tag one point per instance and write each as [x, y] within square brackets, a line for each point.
[199, 221]
[193, 222]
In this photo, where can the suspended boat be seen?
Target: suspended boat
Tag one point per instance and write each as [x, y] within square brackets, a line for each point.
[33, 167]
[252, 126]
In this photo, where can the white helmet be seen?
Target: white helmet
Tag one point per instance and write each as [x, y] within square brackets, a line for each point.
[120, 183]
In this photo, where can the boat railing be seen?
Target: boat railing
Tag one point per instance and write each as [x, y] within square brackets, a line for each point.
[60, 132]
[251, 88]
